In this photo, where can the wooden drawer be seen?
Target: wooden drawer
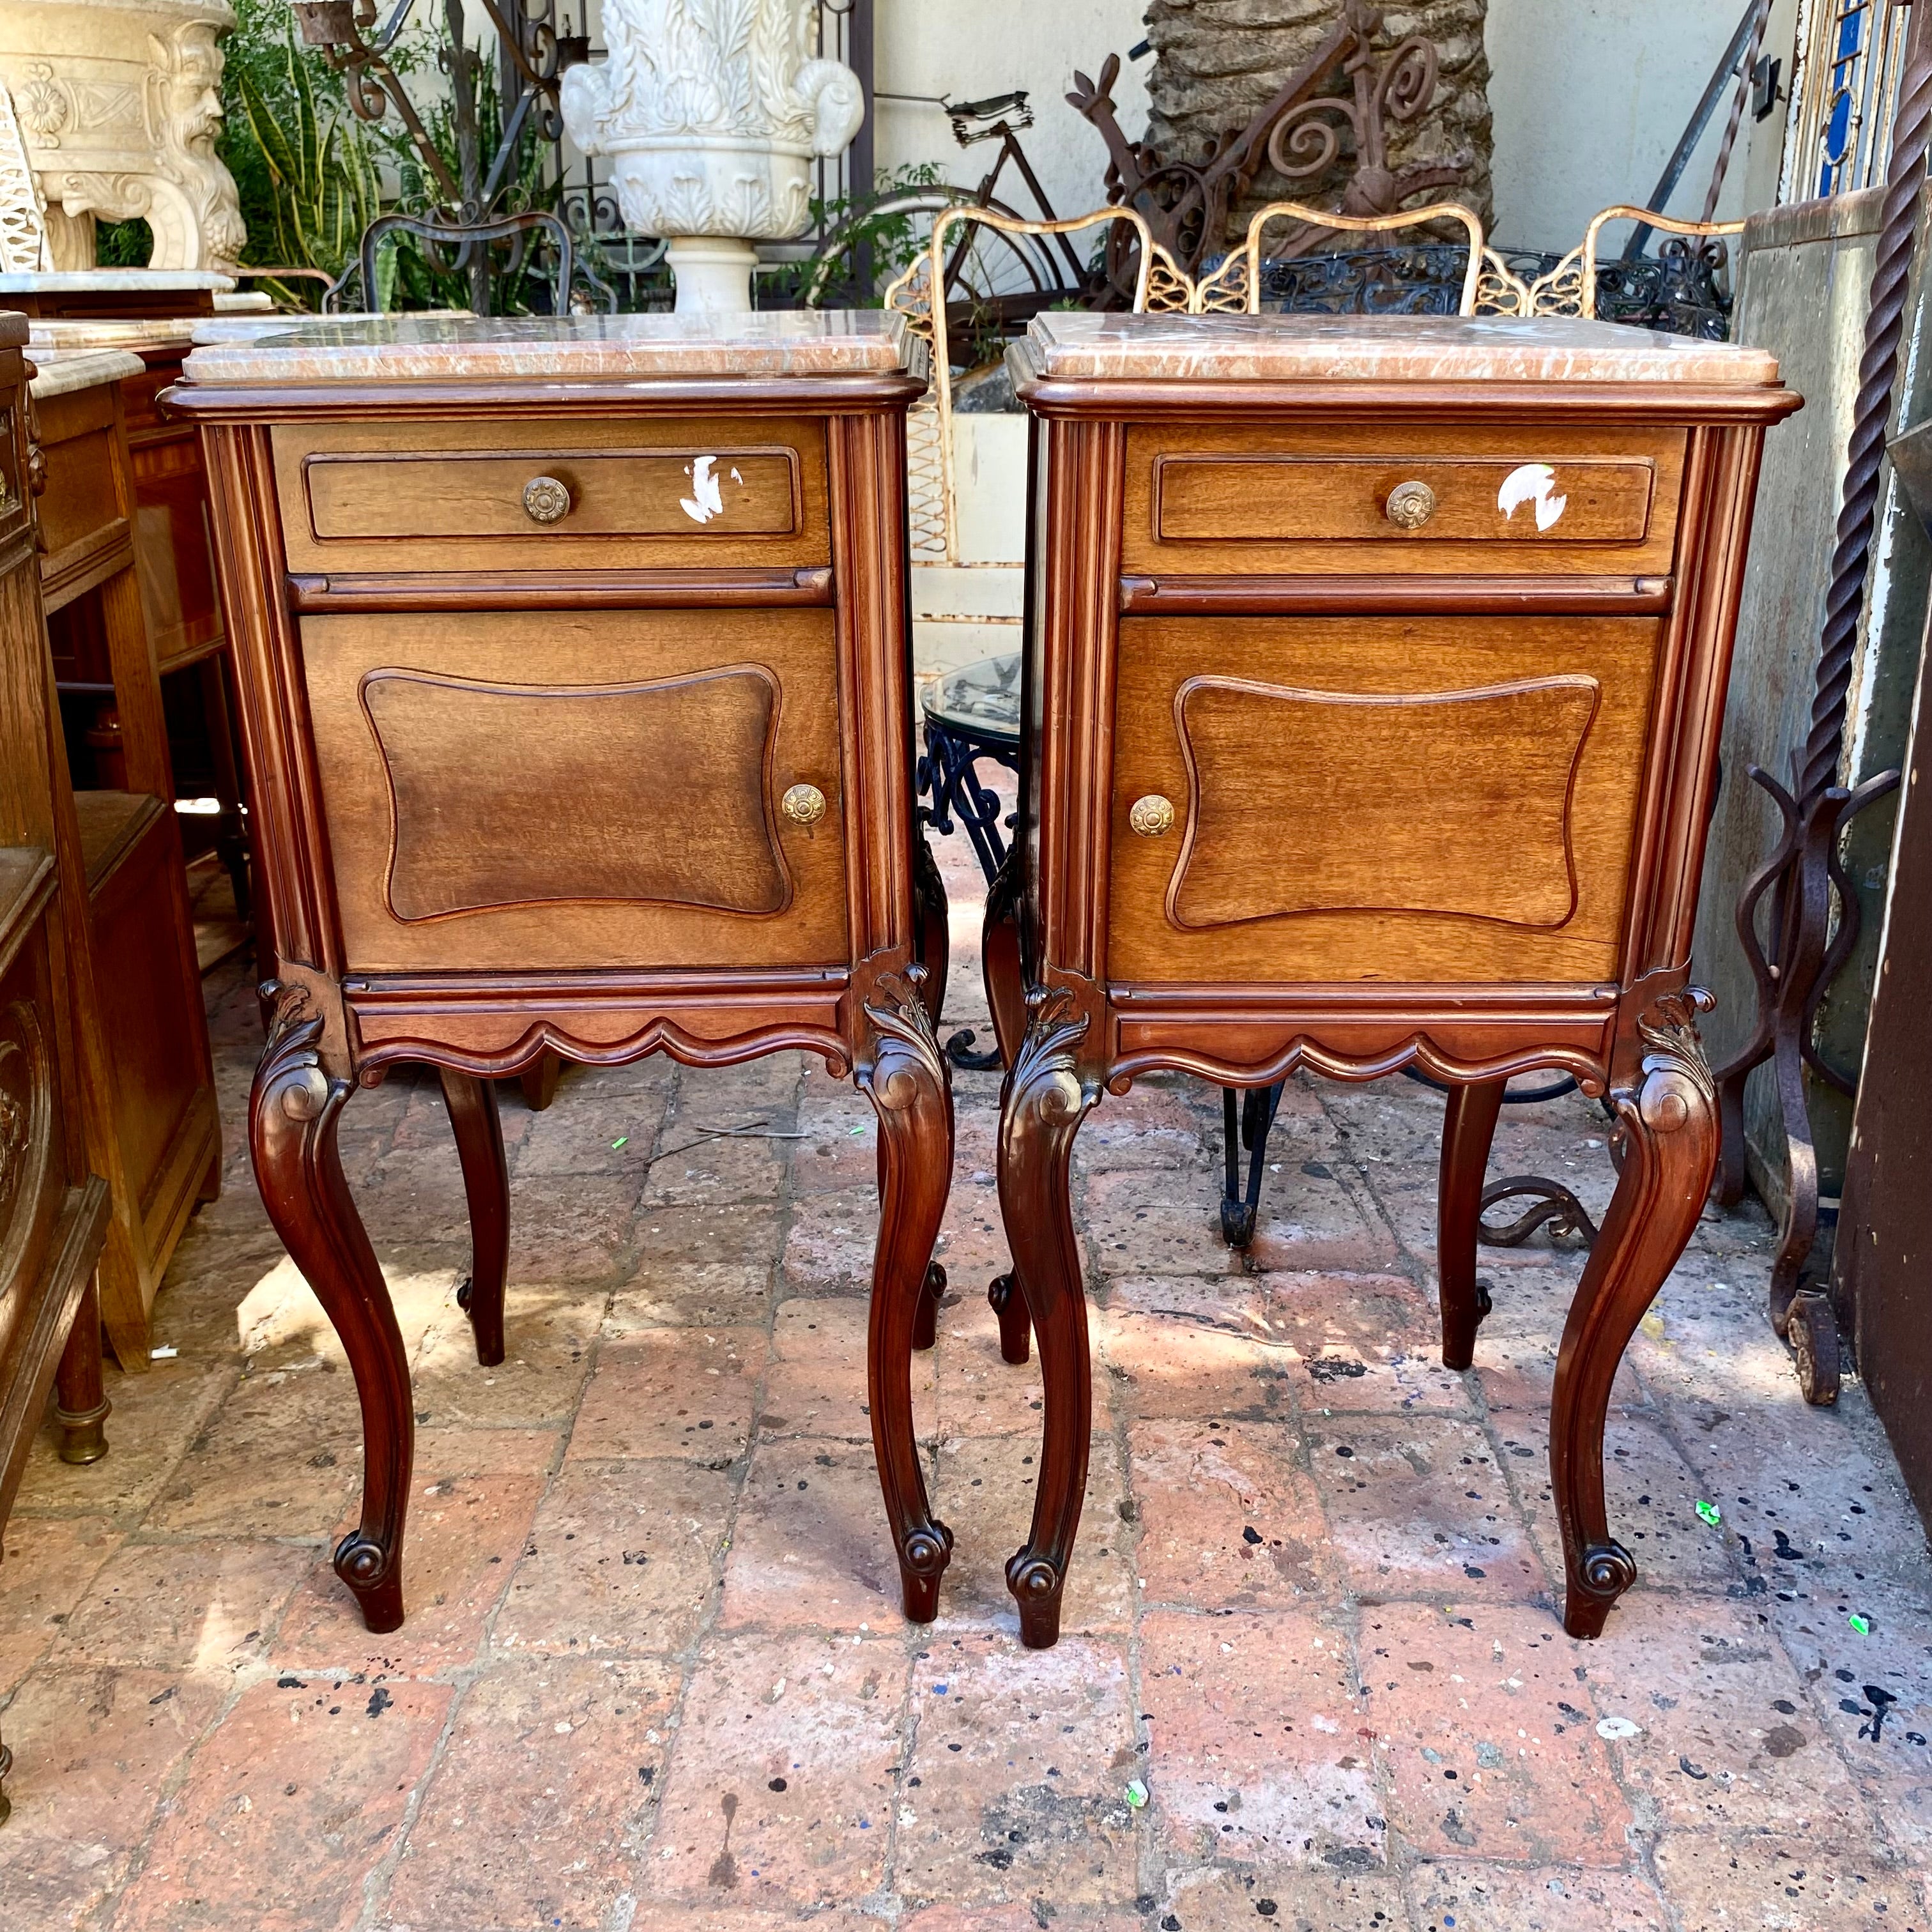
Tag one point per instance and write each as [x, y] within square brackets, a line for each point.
[1435, 799]
[1286, 499]
[525, 791]
[725, 491]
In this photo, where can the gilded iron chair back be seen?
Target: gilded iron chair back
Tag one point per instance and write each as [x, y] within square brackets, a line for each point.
[931, 485]
[1570, 287]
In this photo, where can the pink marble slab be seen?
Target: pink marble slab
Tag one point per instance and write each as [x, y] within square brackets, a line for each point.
[432, 349]
[1379, 348]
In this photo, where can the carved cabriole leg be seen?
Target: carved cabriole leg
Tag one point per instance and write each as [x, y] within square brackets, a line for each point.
[486, 1184]
[1468, 1128]
[1044, 1101]
[935, 931]
[903, 1072]
[80, 1399]
[1003, 966]
[1667, 1112]
[292, 1117]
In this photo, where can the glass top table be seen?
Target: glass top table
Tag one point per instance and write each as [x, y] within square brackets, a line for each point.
[980, 701]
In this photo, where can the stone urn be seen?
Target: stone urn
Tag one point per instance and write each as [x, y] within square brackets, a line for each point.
[712, 113]
[119, 104]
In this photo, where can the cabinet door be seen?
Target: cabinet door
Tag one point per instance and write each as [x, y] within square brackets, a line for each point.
[532, 790]
[1413, 799]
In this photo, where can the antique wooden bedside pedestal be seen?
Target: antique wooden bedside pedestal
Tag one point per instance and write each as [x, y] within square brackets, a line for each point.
[1373, 680]
[573, 659]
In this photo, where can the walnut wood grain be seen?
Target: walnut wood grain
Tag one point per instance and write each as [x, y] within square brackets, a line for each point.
[1351, 809]
[667, 848]
[676, 809]
[562, 590]
[474, 1121]
[1511, 753]
[1468, 1126]
[1266, 593]
[294, 1112]
[147, 1078]
[366, 495]
[1309, 500]
[1262, 497]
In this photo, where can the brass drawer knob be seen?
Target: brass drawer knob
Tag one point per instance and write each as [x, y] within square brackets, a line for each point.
[1151, 816]
[546, 500]
[1410, 505]
[803, 805]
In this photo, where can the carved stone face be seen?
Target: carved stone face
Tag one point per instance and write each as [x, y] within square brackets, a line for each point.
[193, 91]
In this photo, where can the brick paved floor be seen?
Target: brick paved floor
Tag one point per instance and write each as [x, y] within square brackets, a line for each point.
[653, 1675]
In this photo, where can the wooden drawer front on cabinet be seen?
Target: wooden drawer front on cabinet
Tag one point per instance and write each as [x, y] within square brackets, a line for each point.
[1423, 499]
[509, 496]
[1433, 799]
[593, 789]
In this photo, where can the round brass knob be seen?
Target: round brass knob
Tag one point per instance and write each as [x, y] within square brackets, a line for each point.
[1150, 816]
[546, 500]
[1410, 505]
[803, 805]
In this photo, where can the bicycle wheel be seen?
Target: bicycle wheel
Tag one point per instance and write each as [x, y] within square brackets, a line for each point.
[994, 278]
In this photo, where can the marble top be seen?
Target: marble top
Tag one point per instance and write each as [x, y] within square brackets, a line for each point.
[83, 281]
[61, 371]
[443, 349]
[210, 329]
[1274, 348]
[174, 332]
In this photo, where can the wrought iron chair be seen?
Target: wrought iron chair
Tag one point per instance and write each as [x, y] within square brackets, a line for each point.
[571, 269]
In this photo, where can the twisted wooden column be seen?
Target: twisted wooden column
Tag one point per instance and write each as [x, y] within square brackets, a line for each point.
[1803, 868]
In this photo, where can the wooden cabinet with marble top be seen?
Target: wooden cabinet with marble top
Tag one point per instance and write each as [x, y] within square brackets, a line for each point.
[1373, 678]
[574, 669]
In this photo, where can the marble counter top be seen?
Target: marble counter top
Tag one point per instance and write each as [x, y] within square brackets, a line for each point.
[1381, 348]
[209, 330]
[434, 348]
[61, 371]
[178, 333]
[94, 281]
